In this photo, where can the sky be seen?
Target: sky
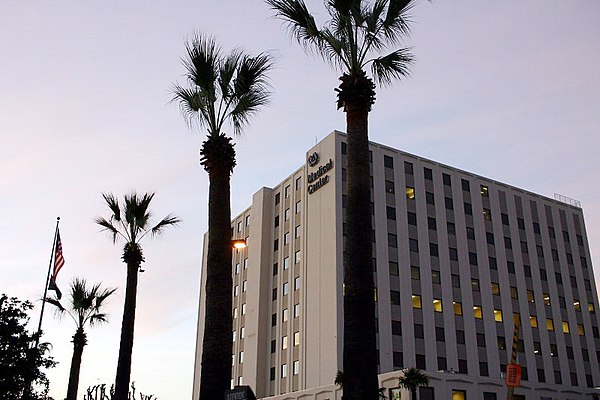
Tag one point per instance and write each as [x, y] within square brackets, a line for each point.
[508, 90]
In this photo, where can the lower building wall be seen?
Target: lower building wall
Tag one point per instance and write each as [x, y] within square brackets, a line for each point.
[447, 385]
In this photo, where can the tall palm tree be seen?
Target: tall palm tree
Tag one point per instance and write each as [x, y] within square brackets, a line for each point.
[130, 222]
[221, 89]
[85, 308]
[411, 379]
[352, 39]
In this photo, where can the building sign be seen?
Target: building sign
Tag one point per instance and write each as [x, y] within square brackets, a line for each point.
[513, 375]
[319, 178]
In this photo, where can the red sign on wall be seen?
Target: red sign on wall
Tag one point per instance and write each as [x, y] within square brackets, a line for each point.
[513, 375]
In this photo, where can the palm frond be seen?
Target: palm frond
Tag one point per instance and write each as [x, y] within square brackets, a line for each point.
[202, 63]
[397, 20]
[113, 204]
[98, 318]
[246, 107]
[227, 72]
[299, 21]
[392, 66]
[56, 303]
[169, 220]
[101, 297]
[192, 104]
[108, 226]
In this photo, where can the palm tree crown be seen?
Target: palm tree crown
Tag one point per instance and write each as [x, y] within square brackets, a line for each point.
[354, 36]
[411, 379]
[132, 223]
[85, 304]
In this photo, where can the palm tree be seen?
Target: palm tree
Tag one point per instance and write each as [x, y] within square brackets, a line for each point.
[130, 222]
[221, 89]
[85, 308]
[411, 379]
[351, 40]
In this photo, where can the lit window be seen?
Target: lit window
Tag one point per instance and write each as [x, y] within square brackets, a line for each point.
[549, 324]
[546, 299]
[514, 294]
[457, 308]
[410, 192]
[495, 289]
[296, 370]
[487, 214]
[484, 191]
[437, 305]
[284, 343]
[530, 297]
[498, 315]
[459, 394]
[580, 330]
[477, 312]
[285, 315]
[577, 305]
[565, 327]
[591, 307]
[416, 301]
[533, 320]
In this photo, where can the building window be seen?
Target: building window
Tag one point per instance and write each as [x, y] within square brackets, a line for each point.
[428, 174]
[435, 277]
[296, 338]
[296, 368]
[498, 315]
[273, 346]
[284, 370]
[297, 231]
[415, 273]
[565, 327]
[453, 254]
[244, 286]
[416, 301]
[396, 328]
[460, 336]
[472, 258]
[410, 192]
[297, 283]
[465, 185]
[244, 309]
[286, 238]
[276, 221]
[484, 191]
[549, 324]
[277, 198]
[489, 396]
[272, 374]
[286, 263]
[286, 214]
[286, 191]
[457, 308]
[408, 168]
[395, 297]
[451, 228]
[477, 313]
[391, 213]
[419, 332]
[296, 310]
[241, 358]
[388, 162]
[286, 288]
[274, 319]
[439, 334]
[392, 240]
[285, 314]
[276, 245]
[394, 269]
[448, 203]
[284, 343]
[487, 214]
[459, 394]
[433, 250]
[437, 305]
[533, 320]
[297, 257]
[411, 218]
[298, 183]
[429, 198]
[431, 224]
[242, 332]
[495, 289]
[413, 245]
[446, 179]
[298, 207]
[389, 187]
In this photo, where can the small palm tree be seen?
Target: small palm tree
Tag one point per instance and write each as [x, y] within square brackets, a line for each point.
[85, 308]
[411, 379]
[353, 39]
[221, 89]
[130, 222]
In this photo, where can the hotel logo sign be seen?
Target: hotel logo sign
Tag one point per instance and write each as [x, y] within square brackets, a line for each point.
[313, 159]
[319, 178]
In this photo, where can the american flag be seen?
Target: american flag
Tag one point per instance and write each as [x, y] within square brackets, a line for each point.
[59, 261]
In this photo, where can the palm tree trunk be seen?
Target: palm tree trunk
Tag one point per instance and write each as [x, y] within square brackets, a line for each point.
[215, 373]
[127, 326]
[413, 393]
[79, 342]
[360, 359]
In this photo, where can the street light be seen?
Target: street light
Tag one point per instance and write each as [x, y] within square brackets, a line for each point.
[239, 244]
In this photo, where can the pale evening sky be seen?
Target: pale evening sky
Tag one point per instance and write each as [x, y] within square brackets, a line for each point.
[509, 90]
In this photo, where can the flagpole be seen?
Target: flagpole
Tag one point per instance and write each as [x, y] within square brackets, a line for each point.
[39, 331]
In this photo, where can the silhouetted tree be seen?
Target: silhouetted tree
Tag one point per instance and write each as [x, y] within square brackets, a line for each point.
[221, 89]
[21, 363]
[411, 379]
[130, 222]
[353, 38]
[85, 308]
